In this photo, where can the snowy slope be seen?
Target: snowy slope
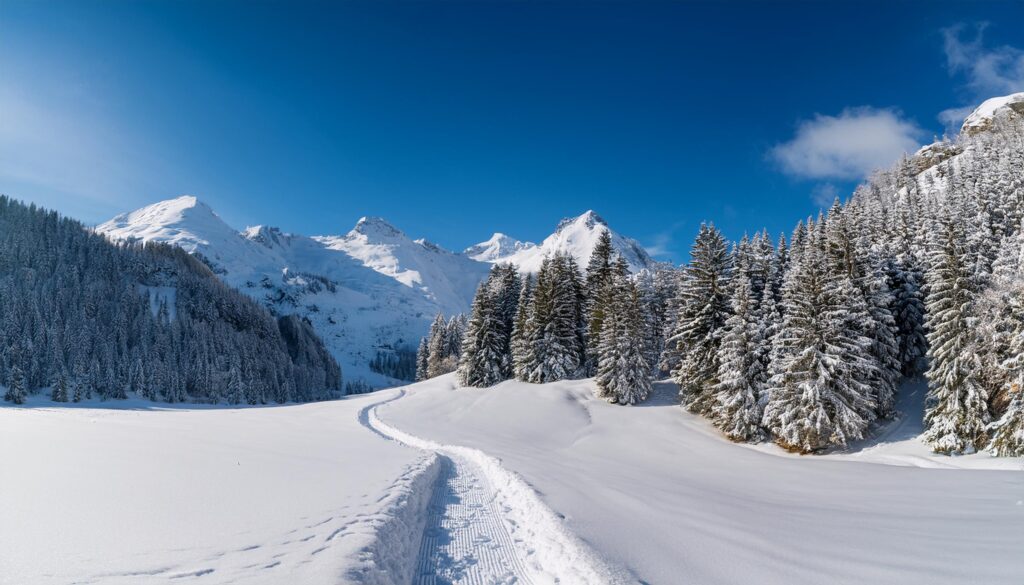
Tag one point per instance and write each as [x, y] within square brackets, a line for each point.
[448, 279]
[661, 492]
[374, 290]
[575, 236]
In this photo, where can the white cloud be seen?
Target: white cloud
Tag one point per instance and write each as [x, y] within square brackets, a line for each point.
[988, 72]
[848, 146]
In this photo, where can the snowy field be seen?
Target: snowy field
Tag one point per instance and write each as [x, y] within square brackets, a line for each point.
[292, 494]
[513, 484]
[661, 493]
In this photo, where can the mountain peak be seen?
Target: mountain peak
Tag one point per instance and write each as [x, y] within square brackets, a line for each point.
[376, 226]
[185, 221]
[983, 116]
[498, 246]
[576, 236]
[589, 219]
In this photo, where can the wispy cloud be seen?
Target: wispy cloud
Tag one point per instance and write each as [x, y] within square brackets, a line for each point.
[662, 244]
[848, 146]
[987, 71]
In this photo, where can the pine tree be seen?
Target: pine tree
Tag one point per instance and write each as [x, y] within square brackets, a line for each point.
[422, 359]
[741, 370]
[486, 349]
[59, 393]
[820, 391]
[15, 386]
[1007, 433]
[623, 375]
[436, 356]
[957, 411]
[703, 309]
[598, 281]
[521, 346]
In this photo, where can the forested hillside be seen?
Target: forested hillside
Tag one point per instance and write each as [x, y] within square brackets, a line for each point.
[83, 317]
[806, 342]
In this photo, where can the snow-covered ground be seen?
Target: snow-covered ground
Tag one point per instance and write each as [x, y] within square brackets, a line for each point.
[129, 493]
[661, 493]
[518, 483]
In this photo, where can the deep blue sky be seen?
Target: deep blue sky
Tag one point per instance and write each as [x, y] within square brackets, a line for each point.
[453, 120]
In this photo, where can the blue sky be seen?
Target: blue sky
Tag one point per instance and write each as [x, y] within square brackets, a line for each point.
[453, 120]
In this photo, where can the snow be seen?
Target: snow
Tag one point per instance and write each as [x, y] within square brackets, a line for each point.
[981, 118]
[130, 492]
[516, 483]
[662, 493]
[575, 236]
[489, 526]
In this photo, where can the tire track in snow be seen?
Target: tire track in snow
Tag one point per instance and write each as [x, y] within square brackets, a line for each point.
[487, 526]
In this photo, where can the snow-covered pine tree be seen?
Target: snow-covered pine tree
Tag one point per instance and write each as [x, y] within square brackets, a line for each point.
[59, 392]
[436, 344]
[521, 346]
[486, 355]
[703, 309]
[596, 289]
[741, 370]
[623, 375]
[820, 391]
[422, 359]
[957, 412]
[563, 332]
[1007, 433]
[16, 392]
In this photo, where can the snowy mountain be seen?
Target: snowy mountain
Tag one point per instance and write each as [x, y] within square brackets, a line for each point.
[575, 236]
[373, 291]
[985, 115]
[497, 247]
[447, 279]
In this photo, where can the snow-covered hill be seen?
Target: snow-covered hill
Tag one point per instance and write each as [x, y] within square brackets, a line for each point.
[575, 236]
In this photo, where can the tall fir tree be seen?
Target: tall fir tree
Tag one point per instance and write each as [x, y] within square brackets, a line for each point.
[703, 309]
[956, 410]
[741, 370]
[820, 392]
[599, 279]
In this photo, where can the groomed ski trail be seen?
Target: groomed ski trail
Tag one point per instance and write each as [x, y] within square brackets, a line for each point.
[486, 526]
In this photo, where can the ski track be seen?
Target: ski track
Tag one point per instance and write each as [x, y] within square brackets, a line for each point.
[487, 526]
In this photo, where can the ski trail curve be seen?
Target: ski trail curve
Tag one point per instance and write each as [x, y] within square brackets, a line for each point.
[487, 526]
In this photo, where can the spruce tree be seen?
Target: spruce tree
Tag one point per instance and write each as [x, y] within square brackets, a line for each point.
[520, 345]
[598, 281]
[59, 393]
[1007, 433]
[422, 359]
[485, 357]
[623, 375]
[820, 392]
[956, 410]
[741, 370]
[15, 386]
[703, 309]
